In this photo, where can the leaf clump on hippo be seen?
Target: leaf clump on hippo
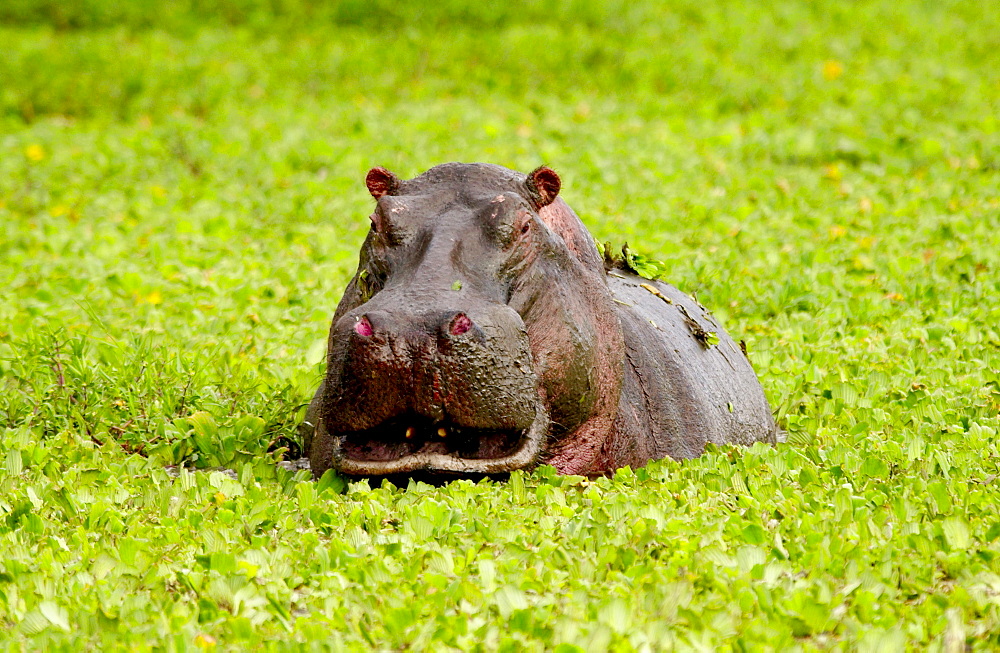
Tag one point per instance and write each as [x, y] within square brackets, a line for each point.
[483, 332]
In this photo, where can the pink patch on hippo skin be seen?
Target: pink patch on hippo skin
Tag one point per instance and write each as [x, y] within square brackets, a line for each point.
[561, 219]
[363, 327]
[460, 324]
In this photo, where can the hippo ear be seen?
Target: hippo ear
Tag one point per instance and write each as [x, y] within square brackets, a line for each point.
[543, 185]
[381, 182]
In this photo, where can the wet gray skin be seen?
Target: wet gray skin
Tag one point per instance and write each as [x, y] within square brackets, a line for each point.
[482, 334]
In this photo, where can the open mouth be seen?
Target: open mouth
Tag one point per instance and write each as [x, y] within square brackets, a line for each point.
[406, 436]
[410, 443]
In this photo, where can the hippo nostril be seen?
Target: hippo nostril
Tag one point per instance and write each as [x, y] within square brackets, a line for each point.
[459, 324]
[363, 327]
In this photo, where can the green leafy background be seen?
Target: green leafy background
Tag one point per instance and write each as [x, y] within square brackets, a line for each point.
[181, 205]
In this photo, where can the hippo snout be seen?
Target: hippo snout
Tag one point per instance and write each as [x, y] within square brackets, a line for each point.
[442, 389]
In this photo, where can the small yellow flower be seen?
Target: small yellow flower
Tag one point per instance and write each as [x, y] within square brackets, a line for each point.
[34, 153]
[248, 568]
[832, 69]
[204, 641]
[154, 298]
[836, 231]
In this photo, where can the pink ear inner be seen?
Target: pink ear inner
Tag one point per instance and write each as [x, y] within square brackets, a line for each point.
[544, 184]
[381, 182]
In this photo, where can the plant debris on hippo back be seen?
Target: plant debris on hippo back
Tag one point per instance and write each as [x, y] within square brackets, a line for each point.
[482, 333]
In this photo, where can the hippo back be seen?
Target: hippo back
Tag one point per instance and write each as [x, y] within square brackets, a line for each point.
[686, 382]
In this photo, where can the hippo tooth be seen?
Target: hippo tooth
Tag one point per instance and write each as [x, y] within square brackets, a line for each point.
[410, 432]
[442, 432]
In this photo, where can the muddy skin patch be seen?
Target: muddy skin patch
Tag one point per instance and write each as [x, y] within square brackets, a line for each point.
[705, 338]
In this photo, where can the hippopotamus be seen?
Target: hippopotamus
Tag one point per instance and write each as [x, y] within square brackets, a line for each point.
[484, 332]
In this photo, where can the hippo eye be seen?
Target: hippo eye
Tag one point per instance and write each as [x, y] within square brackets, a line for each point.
[389, 221]
[383, 228]
[380, 225]
[507, 221]
[524, 220]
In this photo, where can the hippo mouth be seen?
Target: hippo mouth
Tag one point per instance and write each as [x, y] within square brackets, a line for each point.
[412, 443]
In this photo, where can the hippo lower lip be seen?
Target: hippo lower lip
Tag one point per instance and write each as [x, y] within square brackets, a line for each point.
[410, 443]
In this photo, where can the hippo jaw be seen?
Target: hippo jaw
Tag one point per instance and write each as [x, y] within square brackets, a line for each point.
[411, 443]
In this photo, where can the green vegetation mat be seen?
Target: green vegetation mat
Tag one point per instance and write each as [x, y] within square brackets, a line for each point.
[181, 203]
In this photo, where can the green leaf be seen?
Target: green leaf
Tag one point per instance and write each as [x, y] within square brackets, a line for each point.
[874, 468]
[754, 534]
[508, 599]
[331, 481]
[567, 648]
[642, 265]
[249, 427]
[487, 574]
[224, 563]
[55, 614]
[956, 533]
[13, 464]
[941, 495]
[34, 622]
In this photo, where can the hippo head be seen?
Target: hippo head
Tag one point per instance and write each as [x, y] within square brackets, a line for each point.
[475, 332]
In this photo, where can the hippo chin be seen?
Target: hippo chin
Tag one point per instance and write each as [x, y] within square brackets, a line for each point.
[483, 333]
